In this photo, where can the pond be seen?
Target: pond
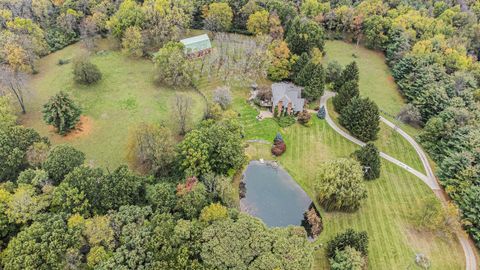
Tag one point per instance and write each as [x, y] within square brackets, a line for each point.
[273, 196]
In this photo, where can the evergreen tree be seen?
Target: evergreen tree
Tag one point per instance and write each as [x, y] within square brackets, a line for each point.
[316, 86]
[350, 73]
[301, 62]
[322, 113]
[61, 112]
[361, 118]
[306, 74]
[369, 158]
[346, 93]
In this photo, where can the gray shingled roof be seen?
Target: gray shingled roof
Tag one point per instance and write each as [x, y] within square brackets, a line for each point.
[288, 92]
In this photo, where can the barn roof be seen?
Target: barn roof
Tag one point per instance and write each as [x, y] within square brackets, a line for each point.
[196, 43]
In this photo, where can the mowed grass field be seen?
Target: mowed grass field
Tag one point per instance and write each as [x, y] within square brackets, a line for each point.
[376, 81]
[125, 97]
[385, 215]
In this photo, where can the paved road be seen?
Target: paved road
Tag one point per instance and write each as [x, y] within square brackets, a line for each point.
[429, 179]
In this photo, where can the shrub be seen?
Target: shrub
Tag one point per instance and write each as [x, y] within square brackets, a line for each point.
[356, 240]
[313, 222]
[348, 259]
[410, 115]
[286, 121]
[279, 146]
[304, 117]
[339, 185]
[61, 112]
[61, 160]
[62, 62]
[85, 72]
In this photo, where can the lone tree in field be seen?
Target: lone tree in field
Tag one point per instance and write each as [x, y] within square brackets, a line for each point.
[339, 185]
[85, 72]
[369, 158]
[346, 93]
[182, 112]
[61, 112]
[362, 119]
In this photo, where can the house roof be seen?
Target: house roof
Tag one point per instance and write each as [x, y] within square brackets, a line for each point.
[196, 43]
[288, 92]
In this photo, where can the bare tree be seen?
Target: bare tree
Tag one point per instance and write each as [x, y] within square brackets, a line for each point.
[14, 82]
[222, 96]
[236, 58]
[182, 112]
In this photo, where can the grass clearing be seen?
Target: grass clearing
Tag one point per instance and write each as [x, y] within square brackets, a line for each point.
[376, 81]
[125, 97]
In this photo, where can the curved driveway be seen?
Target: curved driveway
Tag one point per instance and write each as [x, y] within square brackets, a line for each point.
[429, 179]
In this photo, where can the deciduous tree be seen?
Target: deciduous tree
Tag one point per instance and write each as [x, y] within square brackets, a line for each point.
[132, 43]
[173, 68]
[339, 185]
[218, 17]
[258, 23]
[61, 160]
[152, 149]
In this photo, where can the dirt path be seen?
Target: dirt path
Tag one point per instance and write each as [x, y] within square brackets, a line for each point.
[429, 179]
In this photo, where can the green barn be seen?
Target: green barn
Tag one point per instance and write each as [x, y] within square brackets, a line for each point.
[197, 45]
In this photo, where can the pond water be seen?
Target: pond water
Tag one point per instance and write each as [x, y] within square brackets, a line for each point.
[273, 196]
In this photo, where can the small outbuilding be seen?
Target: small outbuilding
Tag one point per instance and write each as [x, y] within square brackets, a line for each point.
[197, 46]
[287, 97]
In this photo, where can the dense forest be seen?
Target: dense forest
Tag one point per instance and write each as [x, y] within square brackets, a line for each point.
[57, 213]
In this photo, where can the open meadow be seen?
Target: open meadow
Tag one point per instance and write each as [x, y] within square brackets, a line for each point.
[125, 97]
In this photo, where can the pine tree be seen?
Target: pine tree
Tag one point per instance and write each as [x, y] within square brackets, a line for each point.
[61, 112]
[369, 158]
[346, 93]
[301, 62]
[362, 119]
[316, 86]
[322, 113]
[350, 73]
[306, 74]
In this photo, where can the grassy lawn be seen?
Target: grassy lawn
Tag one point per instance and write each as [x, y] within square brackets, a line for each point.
[384, 215]
[376, 81]
[124, 97]
[389, 142]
